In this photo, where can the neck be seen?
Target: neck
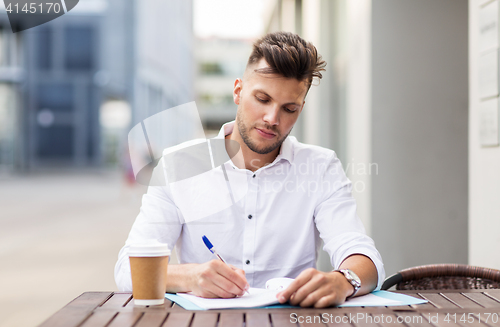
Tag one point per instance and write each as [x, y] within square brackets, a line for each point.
[249, 159]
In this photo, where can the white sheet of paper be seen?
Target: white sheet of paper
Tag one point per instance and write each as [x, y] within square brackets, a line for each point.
[369, 300]
[258, 297]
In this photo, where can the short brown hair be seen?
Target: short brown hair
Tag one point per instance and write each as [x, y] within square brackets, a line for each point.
[288, 55]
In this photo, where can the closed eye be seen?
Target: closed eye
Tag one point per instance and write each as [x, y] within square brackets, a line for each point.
[288, 110]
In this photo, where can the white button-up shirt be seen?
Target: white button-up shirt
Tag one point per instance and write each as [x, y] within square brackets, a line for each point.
[274, 230]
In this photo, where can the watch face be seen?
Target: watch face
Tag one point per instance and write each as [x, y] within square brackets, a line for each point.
[354, 278]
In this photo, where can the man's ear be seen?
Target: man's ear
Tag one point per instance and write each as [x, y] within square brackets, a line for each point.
[238, 84]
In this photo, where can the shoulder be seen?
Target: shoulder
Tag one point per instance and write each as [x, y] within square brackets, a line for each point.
[303, 152]
[316, 160]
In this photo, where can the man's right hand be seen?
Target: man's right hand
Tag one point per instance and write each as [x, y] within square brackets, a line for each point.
[212, 279]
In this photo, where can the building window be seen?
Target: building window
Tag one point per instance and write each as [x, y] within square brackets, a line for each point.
[57, 97]
[55, 142]
[43, 45]
[211, 68]
[78, 45]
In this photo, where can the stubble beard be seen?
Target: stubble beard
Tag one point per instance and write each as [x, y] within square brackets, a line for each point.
[248, 141]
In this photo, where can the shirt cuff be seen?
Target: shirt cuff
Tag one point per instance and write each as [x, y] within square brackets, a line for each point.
[374, 257]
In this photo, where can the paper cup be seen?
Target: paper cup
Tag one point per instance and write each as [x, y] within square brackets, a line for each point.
[148, 266]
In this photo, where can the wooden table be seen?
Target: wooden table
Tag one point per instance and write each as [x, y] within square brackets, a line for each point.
[445, 308]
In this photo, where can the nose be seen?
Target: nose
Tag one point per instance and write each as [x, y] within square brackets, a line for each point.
[271, 116]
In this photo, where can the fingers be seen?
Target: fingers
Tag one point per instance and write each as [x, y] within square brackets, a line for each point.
[216, 279]
[313, 288]
[221, 287]
[239, 271]
[311, 291]
[234, 275]
[327, 301]
[301, 280]
[207, 294]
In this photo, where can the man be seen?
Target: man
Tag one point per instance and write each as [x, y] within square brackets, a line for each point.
[297, 193]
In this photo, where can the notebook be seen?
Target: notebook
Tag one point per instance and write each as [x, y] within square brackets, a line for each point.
[266, 298]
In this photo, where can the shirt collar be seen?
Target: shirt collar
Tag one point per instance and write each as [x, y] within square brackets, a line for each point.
[286, 150]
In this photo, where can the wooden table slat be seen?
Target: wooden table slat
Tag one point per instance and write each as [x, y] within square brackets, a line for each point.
[484, 300]
[309, 319]
[401, 308]
[281, 320]
[152, 319]
[208, 319]
[99, 318]
[257, 319]
[386, 320]
[77, 310]
[338, 320]
[178, 319]
[366, 321]
[125, 319]
[454, 319]
[424, 305]
[107, 309]
[439, 301]
[495, 323]
[473, 322]
[117, 300]
[176, 308]
[487, 320]
[443, 322]
[227, 319]
[411, 319]
[462, 300]
[161, 307]
[494, 295]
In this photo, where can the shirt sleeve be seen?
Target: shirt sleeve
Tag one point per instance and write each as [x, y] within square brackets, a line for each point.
[339, 226]
[159, 219]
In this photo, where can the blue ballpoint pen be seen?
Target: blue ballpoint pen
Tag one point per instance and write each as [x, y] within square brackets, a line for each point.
[212, 249]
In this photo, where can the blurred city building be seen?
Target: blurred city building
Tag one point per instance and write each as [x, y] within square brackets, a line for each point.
[218, 63]
[11, 77]
[71, 88]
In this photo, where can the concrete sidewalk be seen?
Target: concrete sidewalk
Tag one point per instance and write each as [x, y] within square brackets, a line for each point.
[59, 236]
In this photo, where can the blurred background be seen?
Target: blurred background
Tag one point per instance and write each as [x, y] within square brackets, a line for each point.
[409, 102]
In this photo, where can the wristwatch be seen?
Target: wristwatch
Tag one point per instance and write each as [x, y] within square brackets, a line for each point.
[353, 279]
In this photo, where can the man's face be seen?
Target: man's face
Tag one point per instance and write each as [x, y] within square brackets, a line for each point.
[268, 107]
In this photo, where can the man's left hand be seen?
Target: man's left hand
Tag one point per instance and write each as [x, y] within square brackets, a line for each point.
[313, 288]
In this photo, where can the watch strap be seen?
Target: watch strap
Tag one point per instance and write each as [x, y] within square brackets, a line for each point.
[352, 278]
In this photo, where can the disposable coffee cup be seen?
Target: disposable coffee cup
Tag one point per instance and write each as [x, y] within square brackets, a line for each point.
[148, 265]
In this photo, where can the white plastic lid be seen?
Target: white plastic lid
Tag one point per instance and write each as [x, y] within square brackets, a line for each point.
[148, 248]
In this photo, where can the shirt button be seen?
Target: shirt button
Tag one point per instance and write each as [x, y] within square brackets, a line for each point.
[247, 262]
[253, 176]
[249, 216]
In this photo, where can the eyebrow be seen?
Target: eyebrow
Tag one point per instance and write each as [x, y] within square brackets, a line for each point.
[286, 104]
